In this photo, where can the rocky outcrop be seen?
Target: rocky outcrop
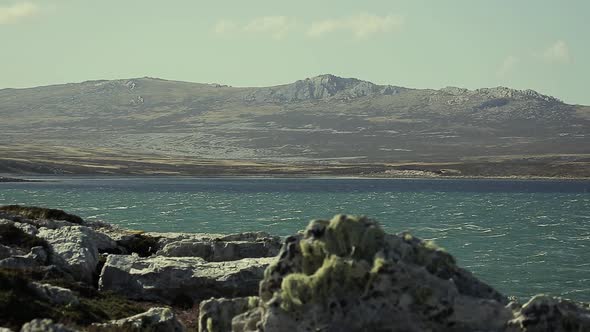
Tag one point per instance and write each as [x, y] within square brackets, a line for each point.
[544, 313]
[222, 247]
[217, 314]
[348, 275]
[322, 87]
[44, 325]
[76, 248]
[180, 279]
[154, 320]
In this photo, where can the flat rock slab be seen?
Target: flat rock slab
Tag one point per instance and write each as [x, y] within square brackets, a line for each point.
[181, 280]
[219, 251]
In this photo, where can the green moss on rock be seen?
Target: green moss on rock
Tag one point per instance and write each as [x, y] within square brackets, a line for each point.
[33, 212]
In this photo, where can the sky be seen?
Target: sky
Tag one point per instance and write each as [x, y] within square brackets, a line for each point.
[527, 44]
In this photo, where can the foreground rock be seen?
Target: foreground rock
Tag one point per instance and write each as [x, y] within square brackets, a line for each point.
[180, 280]
[544, 313]
[217, 314]
[76, 249]
[154, 320]
[45, 325]
[348, 275]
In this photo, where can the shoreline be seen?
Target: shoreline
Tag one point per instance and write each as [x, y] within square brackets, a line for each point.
[49, 178]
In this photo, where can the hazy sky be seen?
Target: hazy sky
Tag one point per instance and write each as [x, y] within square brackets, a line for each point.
[537, 44]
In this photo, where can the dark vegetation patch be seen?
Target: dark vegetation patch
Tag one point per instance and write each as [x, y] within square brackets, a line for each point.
[13, 236]
[33, 212]
[19, 304]
[143, 245]
[498, 102]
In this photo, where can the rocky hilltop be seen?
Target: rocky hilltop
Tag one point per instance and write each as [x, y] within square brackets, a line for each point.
[61, 273]
[322, 87]
[322, 120]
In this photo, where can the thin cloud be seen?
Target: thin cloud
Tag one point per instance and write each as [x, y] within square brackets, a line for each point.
[558, 52]
[360, 26]
[508, 65]
[224, 26]
[274, 26]
[16, 12]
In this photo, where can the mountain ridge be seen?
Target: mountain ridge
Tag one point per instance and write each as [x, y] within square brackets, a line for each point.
[327, 81]
[325, 119]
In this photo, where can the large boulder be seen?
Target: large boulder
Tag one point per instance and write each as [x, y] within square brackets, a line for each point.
[217, 314]
[348, 275]
[76, 249]
[180, 280]
[153, 320]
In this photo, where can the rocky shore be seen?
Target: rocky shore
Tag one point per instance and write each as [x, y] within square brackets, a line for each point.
[61, 273]
[6, 179]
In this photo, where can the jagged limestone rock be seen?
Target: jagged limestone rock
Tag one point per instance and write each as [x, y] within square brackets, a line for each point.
[44, 325]
[75, 248]
[153, 320]
[180, 279]
[27, 228]
[348, 275]
[544, 313]
[219, 251]
[217, 314]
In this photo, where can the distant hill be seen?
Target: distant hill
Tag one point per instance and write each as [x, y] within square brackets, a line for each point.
[321, 119]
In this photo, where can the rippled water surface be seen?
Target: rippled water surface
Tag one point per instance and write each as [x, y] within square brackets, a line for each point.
[523, 237]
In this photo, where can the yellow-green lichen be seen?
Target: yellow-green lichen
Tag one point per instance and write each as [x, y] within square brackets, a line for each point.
[434, 257]
[379, 264]
[313, 254]
[408, 237]
[210, 327]
[355, 237]
[253, 302]
[335, 278]
[338, 258]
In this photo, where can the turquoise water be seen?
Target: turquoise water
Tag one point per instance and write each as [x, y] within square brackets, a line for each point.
[523, 237]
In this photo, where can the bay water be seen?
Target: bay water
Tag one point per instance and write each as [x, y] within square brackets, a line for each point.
[523, 237]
